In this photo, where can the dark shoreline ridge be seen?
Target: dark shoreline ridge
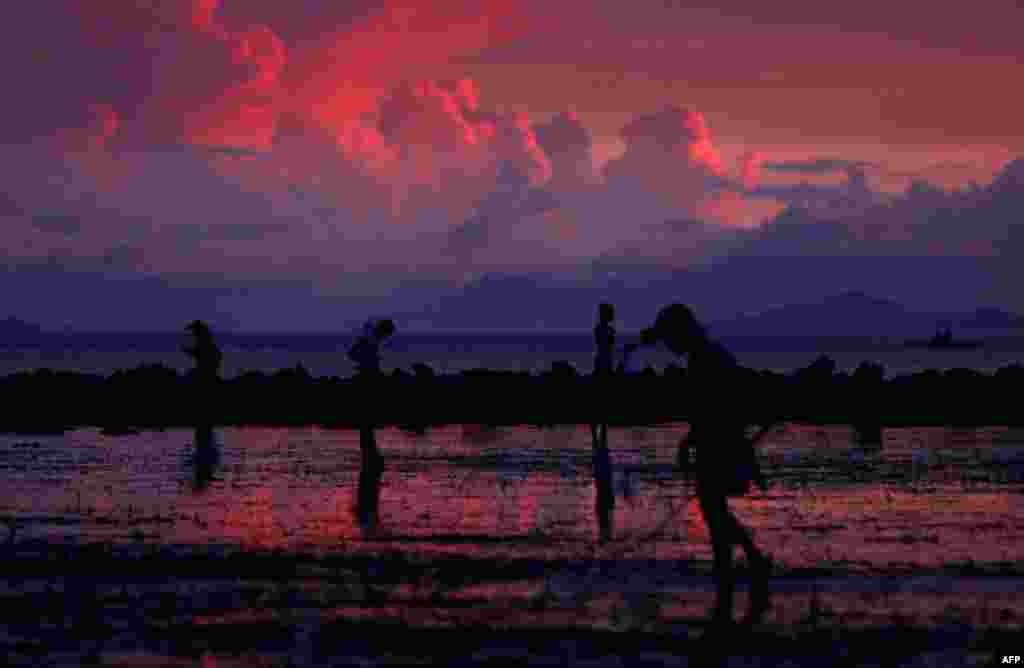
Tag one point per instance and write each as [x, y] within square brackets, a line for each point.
[156, 396]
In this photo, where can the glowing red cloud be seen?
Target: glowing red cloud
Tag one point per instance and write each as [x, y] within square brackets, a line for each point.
[424, 114]
[465, 93]
[669, 159]
[674, 131]
[341, 74]
[516, 143]
[202, 14]
[355, 143]
[750, 169]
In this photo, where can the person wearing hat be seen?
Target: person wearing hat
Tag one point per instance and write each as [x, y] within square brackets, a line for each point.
[726, 463]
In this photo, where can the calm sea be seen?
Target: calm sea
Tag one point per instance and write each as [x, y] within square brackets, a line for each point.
[325, 355]
[928, 530]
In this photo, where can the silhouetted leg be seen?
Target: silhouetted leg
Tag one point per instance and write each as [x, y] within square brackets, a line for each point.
[368, 445]
[759, 564]
[741, 536]
[371, 462]
[367, 435]
[869, 431]
[204, 436]
[760, 569]
[717, 518]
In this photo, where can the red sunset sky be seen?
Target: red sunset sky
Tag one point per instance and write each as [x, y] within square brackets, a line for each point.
[385, 148]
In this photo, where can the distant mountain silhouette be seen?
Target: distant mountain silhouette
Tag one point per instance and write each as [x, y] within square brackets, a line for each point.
[858, 314]
[508, 302]
[13, 330]
[992, 318]
[848, 314]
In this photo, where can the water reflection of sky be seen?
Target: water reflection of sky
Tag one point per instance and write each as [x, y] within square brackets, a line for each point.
[930, 497]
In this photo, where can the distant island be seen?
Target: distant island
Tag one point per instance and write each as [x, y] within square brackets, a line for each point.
[943, 340]
[993, 318]
[857, 314]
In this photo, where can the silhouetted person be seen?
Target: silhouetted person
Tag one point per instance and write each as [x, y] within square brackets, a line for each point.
[726, 462]
[604, 340]
[206, 374]
[365, 352]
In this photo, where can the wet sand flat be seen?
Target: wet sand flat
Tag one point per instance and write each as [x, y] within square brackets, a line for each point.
[490, 533]
[130, 606]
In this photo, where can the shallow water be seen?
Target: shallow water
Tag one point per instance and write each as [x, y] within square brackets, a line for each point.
[929, 497]
[926, 532]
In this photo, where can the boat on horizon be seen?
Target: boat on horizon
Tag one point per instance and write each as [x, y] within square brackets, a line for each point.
[943, 340]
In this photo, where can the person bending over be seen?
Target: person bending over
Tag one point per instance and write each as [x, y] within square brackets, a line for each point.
[726, 462]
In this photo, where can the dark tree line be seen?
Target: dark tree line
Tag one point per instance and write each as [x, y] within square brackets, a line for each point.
[157, 396]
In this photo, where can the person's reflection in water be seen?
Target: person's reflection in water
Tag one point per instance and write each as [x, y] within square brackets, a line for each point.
[365, 352]
[726, 462]
[604, 339]
[205, 379]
